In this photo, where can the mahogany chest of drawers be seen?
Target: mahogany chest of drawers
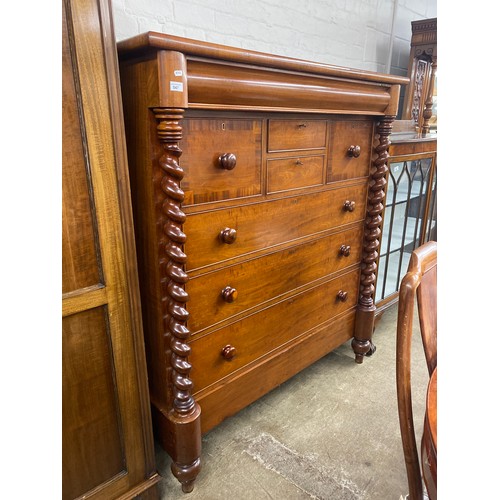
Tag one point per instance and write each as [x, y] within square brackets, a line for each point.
[258, 187]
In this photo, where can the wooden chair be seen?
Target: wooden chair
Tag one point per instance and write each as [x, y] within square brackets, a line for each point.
[420, 282]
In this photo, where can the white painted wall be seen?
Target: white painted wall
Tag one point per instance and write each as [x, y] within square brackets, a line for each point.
[364, 34]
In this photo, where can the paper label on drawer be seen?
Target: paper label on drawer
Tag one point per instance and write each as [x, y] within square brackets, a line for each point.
[178, 72]
[176, 87]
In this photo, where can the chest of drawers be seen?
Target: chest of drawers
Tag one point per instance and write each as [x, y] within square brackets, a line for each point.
[258, 188]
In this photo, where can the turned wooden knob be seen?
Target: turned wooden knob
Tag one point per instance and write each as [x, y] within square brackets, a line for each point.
[227, 161]
[342, 296]
[228, 235]
[345, 250]
[228, 352]
[354, 151]
[349, 206]
[229, 294]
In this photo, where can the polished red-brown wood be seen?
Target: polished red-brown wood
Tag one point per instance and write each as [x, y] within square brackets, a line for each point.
[347, 134]
[140, 44]
[107, 441]
[277, 276]
[220, 401]
[184, 410]
[418, 285]
[429, 439]
[221, 159]
[295, 172]
[266, 224]
[287, 319]
[286, 135]
[361, 343]
[252, 242]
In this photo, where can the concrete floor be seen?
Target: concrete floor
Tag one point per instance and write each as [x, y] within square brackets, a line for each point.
[331, 432]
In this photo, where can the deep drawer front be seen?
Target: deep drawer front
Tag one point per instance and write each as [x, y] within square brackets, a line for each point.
[287, 135]
[263, 225]
[294, 172]
[343, 163]
[224, 351]
[221, 159]
[221, 401]
[219, 295]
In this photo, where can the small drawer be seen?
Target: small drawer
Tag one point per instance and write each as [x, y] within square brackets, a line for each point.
[288, 135]
[221, 159]
[219, 295]
[350, 150]
[294, 173]
[218, 235]
[222, 352]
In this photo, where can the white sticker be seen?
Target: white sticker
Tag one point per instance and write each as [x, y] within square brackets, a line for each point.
[178, 72]
[176, 87]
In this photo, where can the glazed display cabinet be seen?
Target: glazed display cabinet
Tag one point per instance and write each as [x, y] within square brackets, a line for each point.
[410, 217]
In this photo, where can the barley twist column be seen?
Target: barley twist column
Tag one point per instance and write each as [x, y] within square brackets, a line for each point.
[362, 343]
[184, 412]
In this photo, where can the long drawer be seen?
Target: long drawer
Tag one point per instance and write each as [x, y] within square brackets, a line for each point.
[222, 352]
[218, 295]
[233, 393]
[218, 235]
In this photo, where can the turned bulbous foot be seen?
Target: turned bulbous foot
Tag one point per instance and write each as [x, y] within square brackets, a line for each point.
[362, 348]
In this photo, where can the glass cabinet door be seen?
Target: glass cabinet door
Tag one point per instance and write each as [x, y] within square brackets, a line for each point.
[409, 219]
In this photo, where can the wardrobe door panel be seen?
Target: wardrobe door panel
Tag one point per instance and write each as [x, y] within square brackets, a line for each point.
[107, 440]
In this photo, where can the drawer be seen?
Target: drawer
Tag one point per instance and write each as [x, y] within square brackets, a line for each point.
[212, 356]
[294, 172]
[221, 159]
[341, 164]
[219, 295]
[287, 135]
[226, 398]
[262, 225]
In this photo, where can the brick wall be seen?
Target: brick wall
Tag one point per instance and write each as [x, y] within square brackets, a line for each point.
[364, 34]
